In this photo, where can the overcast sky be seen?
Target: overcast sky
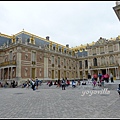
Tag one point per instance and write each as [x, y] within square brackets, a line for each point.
[72, 22]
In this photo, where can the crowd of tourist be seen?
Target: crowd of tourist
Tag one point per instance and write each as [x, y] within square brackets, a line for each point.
[96, 80]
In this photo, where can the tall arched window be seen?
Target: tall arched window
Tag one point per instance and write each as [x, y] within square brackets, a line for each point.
[10, 55]
[111, 59]
[58, 60]
[103, 61]
[95, 61]
[86, 63]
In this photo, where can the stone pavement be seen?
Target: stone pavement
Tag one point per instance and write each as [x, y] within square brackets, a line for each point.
[52, 102]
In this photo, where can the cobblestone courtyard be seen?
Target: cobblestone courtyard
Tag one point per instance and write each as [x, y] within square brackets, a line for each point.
[52, 102]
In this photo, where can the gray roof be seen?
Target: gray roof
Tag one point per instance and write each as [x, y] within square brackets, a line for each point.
[38, 41]
[25, 36]
[83, 53]
[4, 40]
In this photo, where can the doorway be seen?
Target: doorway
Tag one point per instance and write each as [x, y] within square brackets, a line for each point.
[33, 73]
[104, 72]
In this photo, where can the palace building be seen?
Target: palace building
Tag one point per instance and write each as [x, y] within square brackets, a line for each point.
[25, 55]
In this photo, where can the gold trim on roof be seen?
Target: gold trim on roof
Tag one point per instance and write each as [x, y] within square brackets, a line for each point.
[4, 35]
[81, 47]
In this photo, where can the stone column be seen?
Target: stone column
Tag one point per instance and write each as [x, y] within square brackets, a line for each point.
[89, 67]
[98, 71]
[3, 74]
[116, 73]
[11, 73]
[18, 67]
[106, 70]
[45, 66]
[78, 70]
[8, 73]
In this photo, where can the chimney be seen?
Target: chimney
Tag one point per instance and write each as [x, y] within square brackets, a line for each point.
[67, 45]
[47, 37]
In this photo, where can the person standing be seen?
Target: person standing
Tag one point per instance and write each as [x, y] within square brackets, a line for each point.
[95, 76]
[89, 77]
[58, 83]
[99, 76]
[36, 82]
[78, 83]
[63, 84]
[111, 77]
[33, 84]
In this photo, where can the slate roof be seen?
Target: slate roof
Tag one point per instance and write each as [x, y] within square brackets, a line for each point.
[4, 40]
[26, 37]
[82, 54]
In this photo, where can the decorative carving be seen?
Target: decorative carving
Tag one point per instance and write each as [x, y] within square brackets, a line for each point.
[19, 40]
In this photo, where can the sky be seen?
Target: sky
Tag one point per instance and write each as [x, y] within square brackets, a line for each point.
[65, 22]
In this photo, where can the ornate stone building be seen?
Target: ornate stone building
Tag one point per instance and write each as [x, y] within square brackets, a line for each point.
[25, 55]
[102, 56]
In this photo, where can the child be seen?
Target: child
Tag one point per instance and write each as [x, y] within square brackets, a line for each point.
[119, 90]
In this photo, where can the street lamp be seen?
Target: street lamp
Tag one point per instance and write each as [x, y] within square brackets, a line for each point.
[117, 9]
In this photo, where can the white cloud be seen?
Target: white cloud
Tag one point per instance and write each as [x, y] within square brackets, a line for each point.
[72, 23]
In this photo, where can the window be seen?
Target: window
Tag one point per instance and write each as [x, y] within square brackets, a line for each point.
[70, 53]
[58, 60]
[13, 39]
[101, 49]
[59, 49]
[10, 55]
[34, 58]
[111, 60]
[32, 40]
[64, 51]
[64, 62]
[52, 60]
[102, 61]
[95, 61]
[80, 64]
[86, 63]
[54, 48]
[94, 51]
[110, 48]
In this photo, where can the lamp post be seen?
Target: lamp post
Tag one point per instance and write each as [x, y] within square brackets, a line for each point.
[117, 9]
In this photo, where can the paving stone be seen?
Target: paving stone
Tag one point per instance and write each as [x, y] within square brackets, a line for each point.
[52, 102]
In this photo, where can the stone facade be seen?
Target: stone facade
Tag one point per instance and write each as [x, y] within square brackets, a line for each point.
[29, 56]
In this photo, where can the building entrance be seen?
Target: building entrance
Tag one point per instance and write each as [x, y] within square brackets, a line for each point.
[104, 72]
